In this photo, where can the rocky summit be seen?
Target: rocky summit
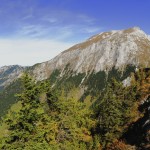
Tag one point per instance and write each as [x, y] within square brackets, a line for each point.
[101, 52]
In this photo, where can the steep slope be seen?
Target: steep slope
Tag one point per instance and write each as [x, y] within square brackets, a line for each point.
[114, 49]
[138, 132]
[102, 52]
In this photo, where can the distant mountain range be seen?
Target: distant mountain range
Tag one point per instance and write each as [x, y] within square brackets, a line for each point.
[9, 73]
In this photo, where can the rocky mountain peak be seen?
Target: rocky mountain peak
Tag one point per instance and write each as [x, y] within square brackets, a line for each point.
[102, 52]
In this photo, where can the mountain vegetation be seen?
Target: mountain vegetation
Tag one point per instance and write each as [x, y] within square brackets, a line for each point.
[47, 119]
[7, 96]
[93, 96]
[64, 123]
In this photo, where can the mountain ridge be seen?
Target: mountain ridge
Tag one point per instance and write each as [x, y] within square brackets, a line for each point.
[101, 52]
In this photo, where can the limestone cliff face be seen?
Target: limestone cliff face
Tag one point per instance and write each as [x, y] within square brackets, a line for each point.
[101, 52]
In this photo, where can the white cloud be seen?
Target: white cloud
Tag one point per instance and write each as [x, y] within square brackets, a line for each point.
[28, 52]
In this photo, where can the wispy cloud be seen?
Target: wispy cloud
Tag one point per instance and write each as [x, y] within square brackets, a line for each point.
[33, 21]
[86, 19]
[27, 17]
[35, 33]
[50, 27]
[50, 19]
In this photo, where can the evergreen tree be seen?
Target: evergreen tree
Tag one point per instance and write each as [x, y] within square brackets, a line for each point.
[23, 126]
[72, 124]
[110, 117]
[117, 108]
[66, 124]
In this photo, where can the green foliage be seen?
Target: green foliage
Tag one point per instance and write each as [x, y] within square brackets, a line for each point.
[7, 96]
[96, 81]
[70, 123]
[110, 116]
[55, 74]
[65, 125]
[68, 81]
[75, 120]
[120, 75]
[115, 111]
[138, 132]
[22, 125]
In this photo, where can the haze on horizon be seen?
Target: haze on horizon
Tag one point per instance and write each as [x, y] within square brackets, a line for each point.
[34, 31]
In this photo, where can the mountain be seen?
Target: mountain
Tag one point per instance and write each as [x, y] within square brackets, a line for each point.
[102, 52]
[9, 86]
[83, 72]
[87, 66]
[8, 74]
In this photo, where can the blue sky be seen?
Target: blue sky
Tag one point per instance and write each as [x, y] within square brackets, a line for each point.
[33, 31]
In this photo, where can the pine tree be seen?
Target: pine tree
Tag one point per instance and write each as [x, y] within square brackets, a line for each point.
[23, 127]
[72, 124]
[117, 108]
[110, 117]
[66, 124]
